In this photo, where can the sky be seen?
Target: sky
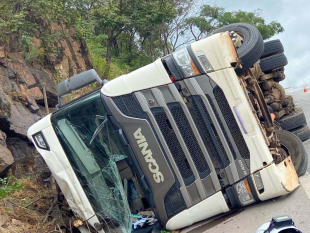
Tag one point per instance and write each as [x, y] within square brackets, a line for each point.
[294, 16]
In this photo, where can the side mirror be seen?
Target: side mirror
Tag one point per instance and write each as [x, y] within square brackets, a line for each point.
[77, 82]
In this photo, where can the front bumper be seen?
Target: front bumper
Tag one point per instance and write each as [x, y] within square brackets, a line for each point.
[209, 207]
[277, 180]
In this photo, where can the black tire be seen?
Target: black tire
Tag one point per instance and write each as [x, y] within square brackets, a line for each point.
[252, 47]
[272, 47]
[303, 132]
[293, 120]
[276, 61]
[297, 150]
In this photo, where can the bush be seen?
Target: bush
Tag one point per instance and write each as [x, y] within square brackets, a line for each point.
[9, 185]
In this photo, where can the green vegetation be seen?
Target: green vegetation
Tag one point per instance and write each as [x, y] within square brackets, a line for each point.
[212, 17]
[9, 185]
[121, 35]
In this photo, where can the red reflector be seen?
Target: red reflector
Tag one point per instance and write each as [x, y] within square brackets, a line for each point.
[172, 79]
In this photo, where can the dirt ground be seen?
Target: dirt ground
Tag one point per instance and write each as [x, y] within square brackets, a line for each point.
[32, 209]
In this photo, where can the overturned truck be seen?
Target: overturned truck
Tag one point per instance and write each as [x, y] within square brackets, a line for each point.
[192, 128]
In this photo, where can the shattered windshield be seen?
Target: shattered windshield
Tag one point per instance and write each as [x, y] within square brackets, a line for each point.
[93, 147]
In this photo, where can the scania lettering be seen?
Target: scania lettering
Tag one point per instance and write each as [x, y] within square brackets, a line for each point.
[153, 166]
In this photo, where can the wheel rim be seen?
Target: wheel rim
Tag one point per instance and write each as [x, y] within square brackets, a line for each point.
[236, 38]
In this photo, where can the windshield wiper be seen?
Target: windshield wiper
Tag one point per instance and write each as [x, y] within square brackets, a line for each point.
[98, 129]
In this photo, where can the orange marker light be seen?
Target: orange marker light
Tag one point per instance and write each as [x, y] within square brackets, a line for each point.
[194, 67]
[247, 186]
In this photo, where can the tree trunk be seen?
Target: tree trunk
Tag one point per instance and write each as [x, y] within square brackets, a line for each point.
[108, 59]
[131, 41]
[166, 43]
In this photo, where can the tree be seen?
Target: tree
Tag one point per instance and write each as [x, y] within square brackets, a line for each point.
[212, 17]
[136, 18]
[133, 33]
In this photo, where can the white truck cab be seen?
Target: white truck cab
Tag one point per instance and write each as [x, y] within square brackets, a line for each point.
[188, 127]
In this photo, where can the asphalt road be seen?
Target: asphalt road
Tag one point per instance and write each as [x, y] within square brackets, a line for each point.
[302, 99]
[249, 219]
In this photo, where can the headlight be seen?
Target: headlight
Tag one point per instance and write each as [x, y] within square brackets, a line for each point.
[258, 182]
[40, 141]
[244, 192]
[204, 61]
[185, 62]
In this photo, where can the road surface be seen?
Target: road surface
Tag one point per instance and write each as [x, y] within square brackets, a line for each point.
[302, 100]
[248, 220]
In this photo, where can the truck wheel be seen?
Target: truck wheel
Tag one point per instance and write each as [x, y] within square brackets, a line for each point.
[252, 44]
[294, 120]
[302, 132]
[297, 150]
[272, 47]
[273, 62]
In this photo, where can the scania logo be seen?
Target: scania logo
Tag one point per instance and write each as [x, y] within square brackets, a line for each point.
[147, 153]
[242, 167]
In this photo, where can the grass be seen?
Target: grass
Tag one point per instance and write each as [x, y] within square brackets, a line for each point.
[9, 185]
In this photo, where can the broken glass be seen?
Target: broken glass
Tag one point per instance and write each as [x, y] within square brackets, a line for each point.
[93, 146]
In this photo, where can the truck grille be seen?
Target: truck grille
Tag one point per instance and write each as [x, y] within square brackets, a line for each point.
[174, 145]
[222, 127]
[231, 122]
[129, 106]
[189, 139]
[174, 201]
[209, 135]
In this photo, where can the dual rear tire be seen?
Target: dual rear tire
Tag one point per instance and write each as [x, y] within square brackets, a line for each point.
[296, 149]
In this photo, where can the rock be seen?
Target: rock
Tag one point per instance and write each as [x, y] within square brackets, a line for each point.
[51, 86]
[16, 222]
[36, 93]
[2, 139]
[3, 219]
[34, 108]
[21, 118]
[23, 94]
[15, 87]
[20, 148]
[17, 63]
[28, 162]
[5, 82]
[2, 56]
[14, 42]
[5, 106]
[11, 73]
[6, 158]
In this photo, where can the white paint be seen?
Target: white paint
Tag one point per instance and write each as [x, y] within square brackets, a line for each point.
[207, 208]
[259, 152]
[272, 179]
[62, 171]
[149, 76]
[218, 49]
